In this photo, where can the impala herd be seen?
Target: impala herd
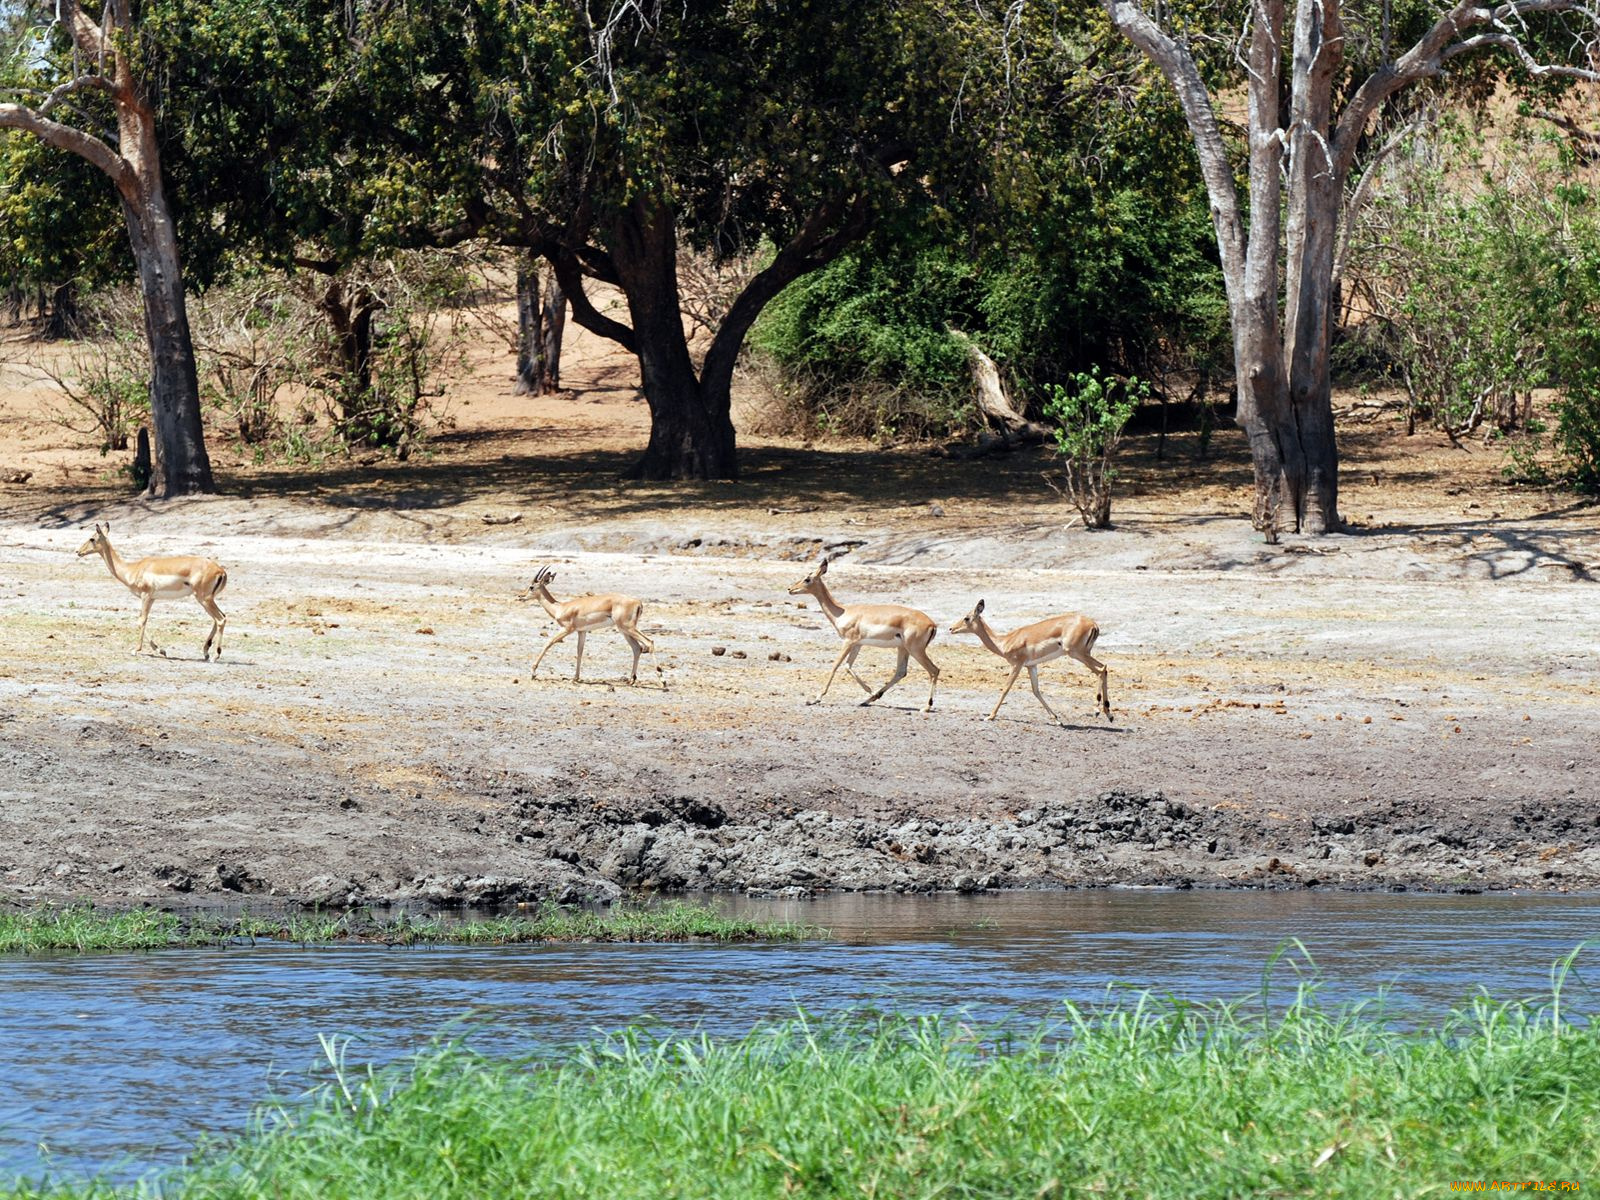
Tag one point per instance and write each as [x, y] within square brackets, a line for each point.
[907, 631]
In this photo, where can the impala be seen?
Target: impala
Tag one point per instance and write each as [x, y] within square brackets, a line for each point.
[586, 614]
[906, 629]
[1069, 635]
[149, 578]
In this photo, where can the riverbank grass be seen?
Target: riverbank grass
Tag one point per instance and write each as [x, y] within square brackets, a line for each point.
[1145, 1099]
[84, 928]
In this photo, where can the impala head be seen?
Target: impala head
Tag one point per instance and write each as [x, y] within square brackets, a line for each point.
[541, 580]
[97, 541]
[970, 622]
[810, 581]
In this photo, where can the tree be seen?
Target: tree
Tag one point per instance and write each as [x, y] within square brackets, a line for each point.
[92, 76]
[1314, 90]
[739, 126]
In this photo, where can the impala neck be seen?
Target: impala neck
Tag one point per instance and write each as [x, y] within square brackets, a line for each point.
[547, 601]
[987, 637]
[831, 608]
[114, 562]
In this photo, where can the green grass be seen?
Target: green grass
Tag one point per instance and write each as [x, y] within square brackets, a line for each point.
[84, 928]
[1139, 1099]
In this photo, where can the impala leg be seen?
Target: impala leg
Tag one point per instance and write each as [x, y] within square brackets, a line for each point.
[577, 671]
[1004, 692]
[144, 616]
[850, 665]
[850, 651]
[899, 674]
[560, 637]
[640, 645]
[920, 653]
[1102, 691]
[219, 621]
[1033, 678]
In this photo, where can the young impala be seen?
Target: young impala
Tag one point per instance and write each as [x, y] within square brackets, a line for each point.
[586, 614]
[906, 629]
[1033, 645]
[150, 578]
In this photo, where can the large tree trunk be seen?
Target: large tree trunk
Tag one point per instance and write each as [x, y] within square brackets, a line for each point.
[182, 466]
[691, 423]
[1280, 355]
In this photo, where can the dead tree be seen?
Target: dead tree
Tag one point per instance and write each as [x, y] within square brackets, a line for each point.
[1302, 144]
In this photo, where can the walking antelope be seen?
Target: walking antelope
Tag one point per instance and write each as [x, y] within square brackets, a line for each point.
[1033, 645]
[587, 614]
[149, 578]
[906, 629]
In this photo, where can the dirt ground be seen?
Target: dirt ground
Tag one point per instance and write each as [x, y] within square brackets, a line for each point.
[1415, 703]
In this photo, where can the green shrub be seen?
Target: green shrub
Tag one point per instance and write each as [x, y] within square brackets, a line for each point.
[1089, 415]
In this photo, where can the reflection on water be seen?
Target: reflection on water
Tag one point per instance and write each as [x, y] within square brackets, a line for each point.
[118, 1062]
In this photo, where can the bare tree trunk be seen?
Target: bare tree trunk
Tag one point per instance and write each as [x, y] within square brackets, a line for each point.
[552, 329]
[351, 316]
[541, 324]
[530, 348]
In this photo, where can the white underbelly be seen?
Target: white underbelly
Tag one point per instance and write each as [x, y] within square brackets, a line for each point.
[1049, 655]
[884, 640]
[170, 585]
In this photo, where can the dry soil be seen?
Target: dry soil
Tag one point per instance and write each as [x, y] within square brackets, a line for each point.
[1414, 703]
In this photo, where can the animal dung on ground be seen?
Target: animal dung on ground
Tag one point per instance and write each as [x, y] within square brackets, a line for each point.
[718, 651]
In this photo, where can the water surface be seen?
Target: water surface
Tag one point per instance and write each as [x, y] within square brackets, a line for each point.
[117, 1063]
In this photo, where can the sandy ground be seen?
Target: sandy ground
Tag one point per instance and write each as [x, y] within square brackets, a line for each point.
[1415, 703]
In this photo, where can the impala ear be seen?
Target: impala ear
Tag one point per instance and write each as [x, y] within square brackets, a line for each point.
[979, 610]
[822, 567]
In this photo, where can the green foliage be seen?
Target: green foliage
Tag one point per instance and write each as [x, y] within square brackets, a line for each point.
[1144, 1098]
[1088, 240]
[83, 928]
[1089, 415]
[861, 348]
[1475, 292]
[1452, 278]
[1575, 353]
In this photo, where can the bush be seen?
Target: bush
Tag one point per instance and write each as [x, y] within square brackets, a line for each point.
[1089, 416]
[860, 347]
[1475, 298]
[105, 377]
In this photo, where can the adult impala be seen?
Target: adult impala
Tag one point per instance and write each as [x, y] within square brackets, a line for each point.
[149, 578]
[905, 629]
[1068, 635]
[586, 614]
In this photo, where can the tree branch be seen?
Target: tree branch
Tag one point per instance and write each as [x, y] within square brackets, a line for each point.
[814, 246]
[569, 274]
[74, 141]
[1443, 41]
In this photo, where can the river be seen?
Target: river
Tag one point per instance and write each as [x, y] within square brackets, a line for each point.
[118, 1063]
